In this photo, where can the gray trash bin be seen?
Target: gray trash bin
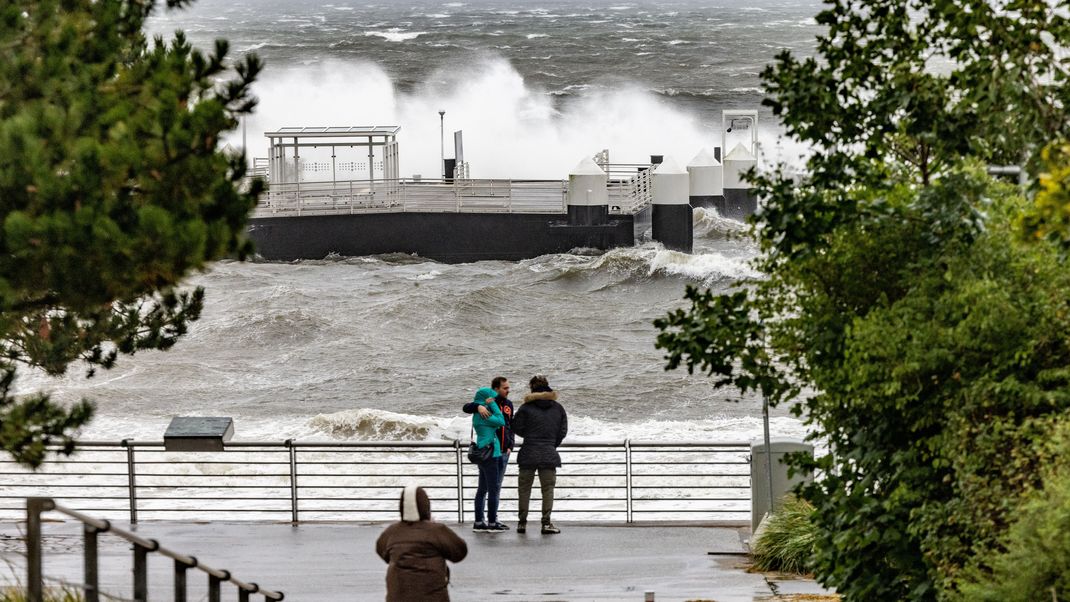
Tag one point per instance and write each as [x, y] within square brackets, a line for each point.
[782, 485]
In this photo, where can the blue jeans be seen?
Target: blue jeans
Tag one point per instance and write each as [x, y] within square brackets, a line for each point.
[489, 490]
[501, 470]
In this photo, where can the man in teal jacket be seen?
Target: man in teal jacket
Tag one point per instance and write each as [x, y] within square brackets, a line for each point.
[489, 489]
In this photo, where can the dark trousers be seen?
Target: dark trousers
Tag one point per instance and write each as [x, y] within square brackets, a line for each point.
[547, 480]
[488, 490]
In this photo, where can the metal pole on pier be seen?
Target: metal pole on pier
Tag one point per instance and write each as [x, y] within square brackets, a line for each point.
[442, 143]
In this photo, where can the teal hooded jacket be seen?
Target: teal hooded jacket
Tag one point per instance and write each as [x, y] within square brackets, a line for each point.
[487, 427]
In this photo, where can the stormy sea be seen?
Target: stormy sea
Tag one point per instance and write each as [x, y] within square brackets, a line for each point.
[390, 347]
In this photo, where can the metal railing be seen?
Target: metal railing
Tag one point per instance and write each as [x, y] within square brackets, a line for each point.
[298, 480]
[92, 527]
[406, 195]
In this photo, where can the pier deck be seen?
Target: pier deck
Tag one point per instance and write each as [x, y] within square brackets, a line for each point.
[337, 561]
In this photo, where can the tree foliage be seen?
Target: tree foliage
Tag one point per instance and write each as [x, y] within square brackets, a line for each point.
[112, 190]
[1049, 218]
[933, 341]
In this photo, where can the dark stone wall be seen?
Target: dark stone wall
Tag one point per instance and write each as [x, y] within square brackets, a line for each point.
[445, 237]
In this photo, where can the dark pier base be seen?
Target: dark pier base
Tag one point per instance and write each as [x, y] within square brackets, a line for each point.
[739, 204]
[445, 237]
[673, 227]
[588, 215]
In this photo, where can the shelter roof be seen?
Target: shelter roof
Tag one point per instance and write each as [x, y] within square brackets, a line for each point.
[354, 131]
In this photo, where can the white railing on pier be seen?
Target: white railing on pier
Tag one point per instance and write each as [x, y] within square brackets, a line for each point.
[630, 187]
[621, 481]
[459, 195]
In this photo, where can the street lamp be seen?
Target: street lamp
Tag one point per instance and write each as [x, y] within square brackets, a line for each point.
[442, 142]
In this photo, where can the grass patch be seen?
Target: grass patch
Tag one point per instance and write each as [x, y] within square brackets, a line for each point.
[52, 594]
[785, 540]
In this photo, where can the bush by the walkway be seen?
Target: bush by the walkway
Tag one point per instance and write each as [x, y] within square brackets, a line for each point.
[785, 542]
[1036, 562]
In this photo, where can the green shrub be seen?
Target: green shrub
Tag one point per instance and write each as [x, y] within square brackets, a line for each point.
[785, 541]
[1035, 564]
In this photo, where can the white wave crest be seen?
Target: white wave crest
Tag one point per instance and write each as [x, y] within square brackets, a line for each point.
[707, 222]
[706, 267]
[380, 425]
[395, 35]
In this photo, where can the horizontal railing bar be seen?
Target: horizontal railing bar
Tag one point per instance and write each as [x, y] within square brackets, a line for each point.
[210, 476]
[67, 497]
[60, 474]
[285, 510]
[234, 461]
[661, 445]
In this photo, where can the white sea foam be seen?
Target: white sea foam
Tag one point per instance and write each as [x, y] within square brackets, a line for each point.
[396, 35]
[532, 36]
[511, 128]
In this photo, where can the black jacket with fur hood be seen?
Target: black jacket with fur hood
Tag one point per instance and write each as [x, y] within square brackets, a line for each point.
[417, 549]
[543, 424]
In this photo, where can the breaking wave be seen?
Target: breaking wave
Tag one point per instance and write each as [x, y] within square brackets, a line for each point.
[381, 425]
[709, 224]
[647, 261]
[367, 424]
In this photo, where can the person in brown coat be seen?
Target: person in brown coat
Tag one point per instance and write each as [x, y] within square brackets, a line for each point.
[417, 549]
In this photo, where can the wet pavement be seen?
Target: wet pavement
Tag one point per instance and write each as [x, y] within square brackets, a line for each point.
[337, 561]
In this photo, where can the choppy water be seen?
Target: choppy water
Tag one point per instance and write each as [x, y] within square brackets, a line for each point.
[390, 347]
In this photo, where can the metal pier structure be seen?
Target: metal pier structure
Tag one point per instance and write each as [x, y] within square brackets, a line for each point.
[338, 190]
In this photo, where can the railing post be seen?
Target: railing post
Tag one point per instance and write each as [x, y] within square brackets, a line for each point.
[35, 590]
[180, 580]
[243, 596]
[92, 583]
[293, 480]
[141, 573]
[460, 481]
[131, 480]
[213, 588]
[628, 479]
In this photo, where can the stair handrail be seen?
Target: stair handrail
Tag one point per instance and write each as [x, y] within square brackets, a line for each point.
[35, 506]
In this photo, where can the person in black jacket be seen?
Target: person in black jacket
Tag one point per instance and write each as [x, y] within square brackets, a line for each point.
[543, 424]
[500, 384]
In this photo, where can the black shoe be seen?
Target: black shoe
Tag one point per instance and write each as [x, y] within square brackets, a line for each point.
[550, 529]
[521, 528]
[480, 528]
[499, 527]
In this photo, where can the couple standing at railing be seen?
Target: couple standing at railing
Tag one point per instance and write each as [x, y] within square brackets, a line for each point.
[542, 422]
[417, 548]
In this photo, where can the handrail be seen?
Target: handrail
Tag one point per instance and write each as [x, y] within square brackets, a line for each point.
[608, 480]
[36, 506]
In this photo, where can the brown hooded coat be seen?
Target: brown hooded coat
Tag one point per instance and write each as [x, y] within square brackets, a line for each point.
[417, 550]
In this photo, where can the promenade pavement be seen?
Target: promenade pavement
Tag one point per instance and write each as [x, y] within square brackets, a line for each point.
[314, 562]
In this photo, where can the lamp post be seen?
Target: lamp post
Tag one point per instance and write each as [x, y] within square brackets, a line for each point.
[442, 143]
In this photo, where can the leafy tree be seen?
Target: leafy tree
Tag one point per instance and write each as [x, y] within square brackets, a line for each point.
[112, 190]
[933, 339]
[1049, 218]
